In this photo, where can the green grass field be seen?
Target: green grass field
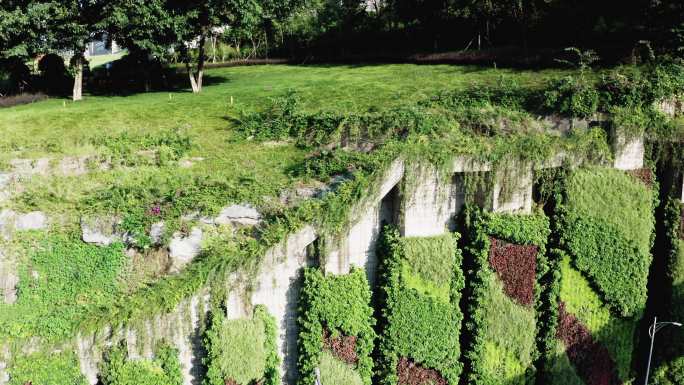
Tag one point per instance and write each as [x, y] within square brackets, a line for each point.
[62, 126]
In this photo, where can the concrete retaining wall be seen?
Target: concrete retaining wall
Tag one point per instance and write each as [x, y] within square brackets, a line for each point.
[424, 205]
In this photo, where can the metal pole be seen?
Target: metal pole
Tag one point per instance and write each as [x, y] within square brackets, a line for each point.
[651, 332]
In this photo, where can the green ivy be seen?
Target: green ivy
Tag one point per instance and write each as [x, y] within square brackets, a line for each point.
[340, 304]
[164, 369]
[243, 350]
[416, 323]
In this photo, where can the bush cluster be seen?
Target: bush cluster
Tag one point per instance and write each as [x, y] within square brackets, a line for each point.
[608, 229]
[164, 369]
[422, 280]
[502, 332]
[335, 307]
[242, 351]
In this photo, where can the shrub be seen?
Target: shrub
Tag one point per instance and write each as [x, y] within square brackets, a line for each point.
[54, 75]
[242, 350]
[163, 370]
[46, 369]
[421, 314]
[336, 317]
[570, 96]
[671, 373]
[607, 227]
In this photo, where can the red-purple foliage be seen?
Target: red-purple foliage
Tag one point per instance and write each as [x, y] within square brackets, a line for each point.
[645, 175]
[516, 265]
[411, 373]
[230, 381]
[591, 360]
[342, 347]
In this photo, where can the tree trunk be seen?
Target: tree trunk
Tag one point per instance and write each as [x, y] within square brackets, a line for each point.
[77, 63]
[196, 78]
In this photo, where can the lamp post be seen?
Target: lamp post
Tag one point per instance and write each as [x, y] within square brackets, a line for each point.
[652, 330]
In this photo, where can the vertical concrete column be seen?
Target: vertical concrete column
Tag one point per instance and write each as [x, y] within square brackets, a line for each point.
[357, 246]
[629, 152]
[278, 285]
[428, 203]
[513, 190]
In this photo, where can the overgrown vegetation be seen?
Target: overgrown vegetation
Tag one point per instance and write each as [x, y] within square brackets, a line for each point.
[46, 369]
[62, 279]
[336, 308]
[421, 318]
[164, 369]
[242, 351]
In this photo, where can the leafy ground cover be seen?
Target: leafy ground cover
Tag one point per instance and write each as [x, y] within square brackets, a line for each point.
[164, 369]
[336, 318]
[242, 351]
[46, 369]
[608, 229]
[421, 317]
[615, 334]
[502, 322]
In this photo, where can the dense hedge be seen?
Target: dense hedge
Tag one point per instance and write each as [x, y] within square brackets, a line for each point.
[503, 331]
[421, 286]
[164, 369]
[46, 369]
[332, 308]
[608, 228]
[242, 350]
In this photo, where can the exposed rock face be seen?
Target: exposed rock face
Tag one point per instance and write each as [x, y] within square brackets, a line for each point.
[182, 250]
[240, 215]
[101, 231]
[157, 232]
[8, 279]
[35, 220]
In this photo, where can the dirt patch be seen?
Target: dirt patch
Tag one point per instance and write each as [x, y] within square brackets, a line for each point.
[411, 373]
[343, 347]
[591, 360]
[645, 175]
[16, 100]
[516, 266]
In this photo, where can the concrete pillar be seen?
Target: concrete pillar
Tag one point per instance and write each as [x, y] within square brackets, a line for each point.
[428, 203]
[277, 287]
[513, 190]
[629, 152]
[357, 246]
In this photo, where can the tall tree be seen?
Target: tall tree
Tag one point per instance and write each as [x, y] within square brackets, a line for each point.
[75, 24]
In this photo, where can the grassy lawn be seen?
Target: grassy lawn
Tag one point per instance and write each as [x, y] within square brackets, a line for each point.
[65, 127]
